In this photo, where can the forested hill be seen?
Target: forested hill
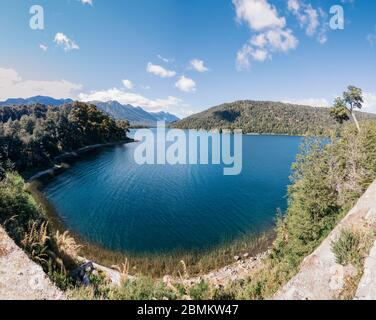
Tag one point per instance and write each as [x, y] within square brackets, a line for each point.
[265, 117]
[32, 136]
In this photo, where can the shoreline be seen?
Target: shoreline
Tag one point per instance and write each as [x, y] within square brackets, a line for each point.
[157, 265]
[200, 262]
[61, 162]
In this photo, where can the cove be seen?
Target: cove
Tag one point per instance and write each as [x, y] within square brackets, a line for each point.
[110, 200]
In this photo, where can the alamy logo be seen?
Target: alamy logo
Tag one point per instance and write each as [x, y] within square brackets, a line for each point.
[37, 19]
[175, 146]
[337, 22]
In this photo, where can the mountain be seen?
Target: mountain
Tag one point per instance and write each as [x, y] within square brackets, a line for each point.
[34, 100]
[164, 116]
[135, 115]
[265, 117]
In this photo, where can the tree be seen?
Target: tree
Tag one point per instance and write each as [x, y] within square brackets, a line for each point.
[351, 100]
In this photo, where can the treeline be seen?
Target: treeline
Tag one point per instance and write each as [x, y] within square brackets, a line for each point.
[32, 136]
[263, 117]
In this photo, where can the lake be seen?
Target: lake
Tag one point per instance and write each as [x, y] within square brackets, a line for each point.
[110, 200]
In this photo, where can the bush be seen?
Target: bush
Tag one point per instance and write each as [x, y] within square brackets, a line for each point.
[346, 248]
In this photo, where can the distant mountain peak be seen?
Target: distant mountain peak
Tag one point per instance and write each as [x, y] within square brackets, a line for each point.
[134, 114]
[34, 100]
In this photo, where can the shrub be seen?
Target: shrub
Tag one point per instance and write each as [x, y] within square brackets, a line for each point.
[346, 248]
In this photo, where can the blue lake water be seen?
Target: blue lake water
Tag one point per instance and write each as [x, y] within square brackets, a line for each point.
[110, 200]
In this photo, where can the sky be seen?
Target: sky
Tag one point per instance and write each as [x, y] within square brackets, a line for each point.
[184, 56]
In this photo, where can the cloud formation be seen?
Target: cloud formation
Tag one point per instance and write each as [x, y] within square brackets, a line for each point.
[127, 84]
[185, 84]
[160, 71]
[310, 19]
[198, 65]
[313, 102]
[258, 14]
[13, 86]
[369, 104]
[43, 47]
[64, 42]
[134, 99]
[271, 32]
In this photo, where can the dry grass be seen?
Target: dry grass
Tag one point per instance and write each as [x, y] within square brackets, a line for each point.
[123, 271]
[196, 262]
[67, 245]
[35, 241]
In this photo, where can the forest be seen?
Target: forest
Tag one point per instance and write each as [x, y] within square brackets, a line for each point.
[263, 117]
[32, 136]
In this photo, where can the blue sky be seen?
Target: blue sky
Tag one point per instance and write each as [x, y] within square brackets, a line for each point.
[184, 56]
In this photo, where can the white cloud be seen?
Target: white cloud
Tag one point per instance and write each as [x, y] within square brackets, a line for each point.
[369, 102]
[163, 59]
[8, 77]
[43, 47]
[313, 102]
[272, 36]
[13, 86]
[198, 65]
[261, 46]
[160, 71]
[309, 18]
[186, 84]
[90, 2]
[134, 99]
[258, 14]
[293, 5]
[281, 40]
[64, 42]
[127, 84]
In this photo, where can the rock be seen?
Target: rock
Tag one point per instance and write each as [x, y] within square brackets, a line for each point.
[246, 255]
[236, 258]
[21, 278]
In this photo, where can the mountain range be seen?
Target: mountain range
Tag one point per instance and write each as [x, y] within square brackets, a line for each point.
[135, 115]
[48, 101]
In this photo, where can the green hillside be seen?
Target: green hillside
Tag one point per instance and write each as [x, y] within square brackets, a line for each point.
[265, 117]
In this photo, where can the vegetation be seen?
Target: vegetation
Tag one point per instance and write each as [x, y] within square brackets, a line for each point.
[327, 180]
[351, 249]
[31, 137]
[352, 99]
[346, 248]
[262, 117]
[198, 262]
[26, 223]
